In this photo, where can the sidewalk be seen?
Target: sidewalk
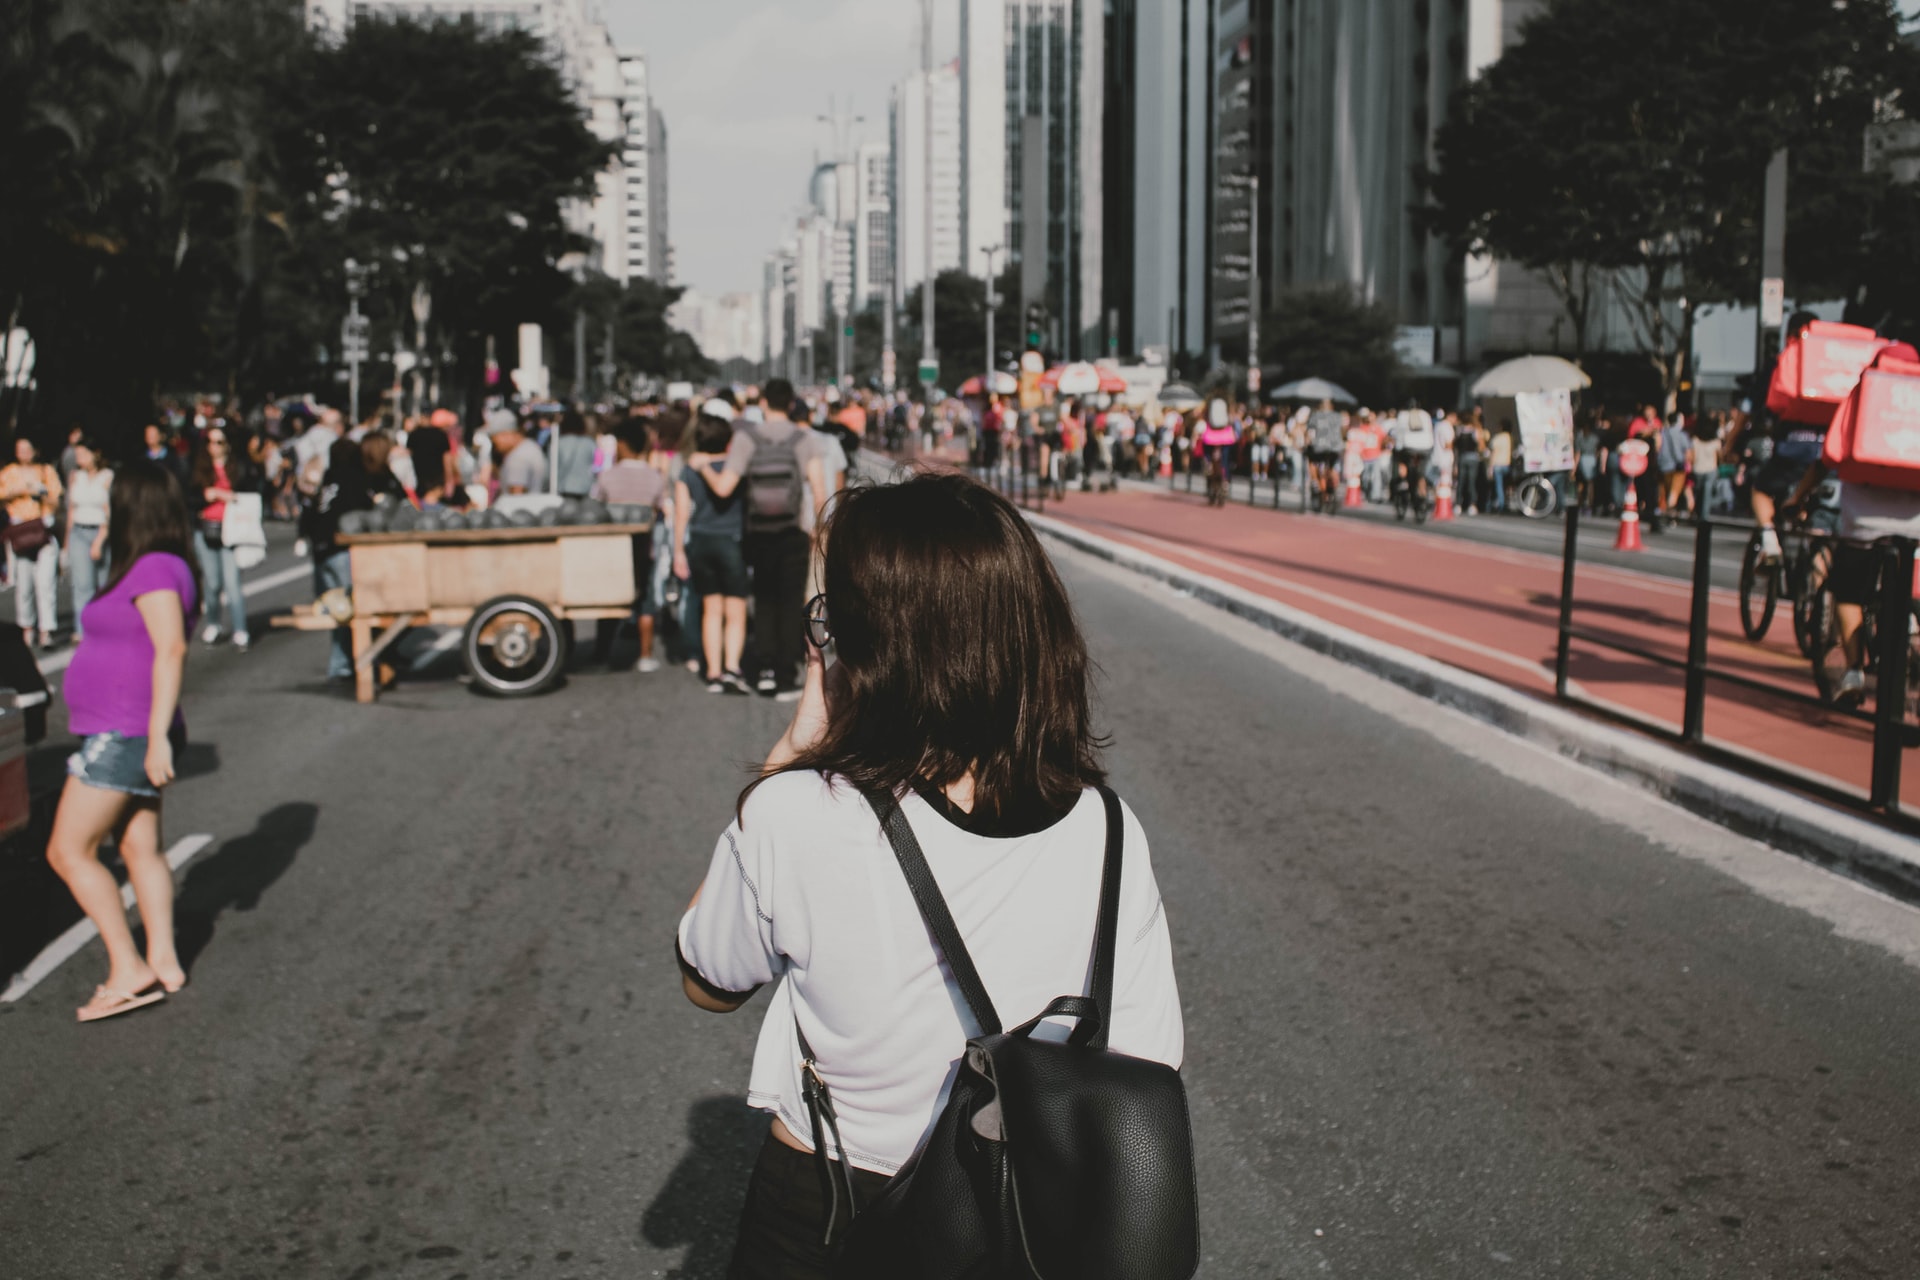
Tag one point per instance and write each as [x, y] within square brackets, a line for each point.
[1494, 611]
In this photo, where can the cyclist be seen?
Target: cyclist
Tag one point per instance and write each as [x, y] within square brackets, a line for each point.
[1326, 447]
[1413, 443]
[1217, 438]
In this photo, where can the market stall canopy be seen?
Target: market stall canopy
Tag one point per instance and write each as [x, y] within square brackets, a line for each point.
[1178, 395]
[1315, 390]
[1004, 384]
[1531, 373]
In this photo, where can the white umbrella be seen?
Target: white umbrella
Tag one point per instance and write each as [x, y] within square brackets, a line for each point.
[1178, 395]
[1079, 380]
[1531, 373]
[1315, 390]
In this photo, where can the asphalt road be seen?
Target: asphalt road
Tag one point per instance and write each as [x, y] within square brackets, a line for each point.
[1455, 1008]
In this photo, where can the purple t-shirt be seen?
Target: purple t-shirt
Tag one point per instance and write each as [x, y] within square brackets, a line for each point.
[109, 686]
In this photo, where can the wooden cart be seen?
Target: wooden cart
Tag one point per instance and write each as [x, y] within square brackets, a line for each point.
[515, 591]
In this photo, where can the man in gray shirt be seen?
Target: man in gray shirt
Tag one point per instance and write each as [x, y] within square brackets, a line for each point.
[518, 460]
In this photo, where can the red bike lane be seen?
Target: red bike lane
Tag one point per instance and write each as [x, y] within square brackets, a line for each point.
[1495, 611]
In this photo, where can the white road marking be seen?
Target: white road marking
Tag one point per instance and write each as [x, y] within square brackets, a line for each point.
[62, 948]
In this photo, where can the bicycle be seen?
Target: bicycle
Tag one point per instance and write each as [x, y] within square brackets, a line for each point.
[1829, 657]
[1799, 573]
[1216, 478]
[1409, 499]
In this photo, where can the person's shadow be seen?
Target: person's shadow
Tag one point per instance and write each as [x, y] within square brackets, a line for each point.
[237, 874]
[699, 1206]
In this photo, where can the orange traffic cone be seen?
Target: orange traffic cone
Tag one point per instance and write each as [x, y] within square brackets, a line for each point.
[1443, 498]
[1628, 538]
[1353, 498]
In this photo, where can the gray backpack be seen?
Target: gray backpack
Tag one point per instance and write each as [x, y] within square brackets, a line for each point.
[773, 483]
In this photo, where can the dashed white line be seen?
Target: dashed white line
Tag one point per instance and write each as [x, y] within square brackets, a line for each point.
[62, 948]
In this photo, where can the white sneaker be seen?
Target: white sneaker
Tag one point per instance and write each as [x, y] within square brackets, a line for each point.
[300, 548]
[647, 666]
[241, 640]
[1853, 686]
[1770, 545]
[211, 635]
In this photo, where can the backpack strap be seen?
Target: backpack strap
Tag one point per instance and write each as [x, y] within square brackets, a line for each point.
[933, 910]
[1106, 931]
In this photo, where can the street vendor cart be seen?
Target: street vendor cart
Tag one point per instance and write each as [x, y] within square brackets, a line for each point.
[515, 591]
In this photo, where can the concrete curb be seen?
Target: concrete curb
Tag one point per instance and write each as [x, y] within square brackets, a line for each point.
[1790, 823]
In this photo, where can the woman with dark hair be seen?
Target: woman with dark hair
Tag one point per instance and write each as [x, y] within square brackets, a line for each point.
[343, 488]
[220, 470]
[123, 699]
[707, 555]
[960, 692]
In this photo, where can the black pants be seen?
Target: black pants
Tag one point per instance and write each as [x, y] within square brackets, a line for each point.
[783, 1225]
[779, 564]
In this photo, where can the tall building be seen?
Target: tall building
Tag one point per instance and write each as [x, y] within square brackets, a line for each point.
[659, 264]
[728, 327]
[1045, 59]
[872, 224]
[1159, 115]
[913, 98]
[626, 219]
[1362, 87]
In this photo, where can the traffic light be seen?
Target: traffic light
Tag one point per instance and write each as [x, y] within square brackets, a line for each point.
[1036, 324]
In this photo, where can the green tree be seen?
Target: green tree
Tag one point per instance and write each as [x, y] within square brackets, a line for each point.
[440, 154]
[1621, 147]
[1329, 332]
[960, 325]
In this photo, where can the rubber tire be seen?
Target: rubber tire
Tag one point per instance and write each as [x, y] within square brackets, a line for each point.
[1537, 508]
[1753, 574]
[548, 671]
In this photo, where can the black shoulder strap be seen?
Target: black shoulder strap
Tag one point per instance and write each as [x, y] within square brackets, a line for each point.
[1106, 932]
[933, 910]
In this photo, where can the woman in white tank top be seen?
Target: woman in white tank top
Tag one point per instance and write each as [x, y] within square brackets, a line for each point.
[960, 687]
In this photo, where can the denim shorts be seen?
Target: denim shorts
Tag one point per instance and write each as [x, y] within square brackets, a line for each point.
[115, 762]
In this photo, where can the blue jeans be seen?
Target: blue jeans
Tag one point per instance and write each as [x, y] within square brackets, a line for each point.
[221, 574]
[1500, 488]
[87, 572]
[330, 570]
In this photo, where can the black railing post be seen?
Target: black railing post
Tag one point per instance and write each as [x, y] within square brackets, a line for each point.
[1890, 684]
[1564, 652]
[1695, 716]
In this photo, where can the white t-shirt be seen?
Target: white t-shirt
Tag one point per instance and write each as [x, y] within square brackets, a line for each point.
[809, 890]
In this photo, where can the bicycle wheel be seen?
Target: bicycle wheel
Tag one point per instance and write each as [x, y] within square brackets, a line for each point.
[1759, 592]
[1537, 498]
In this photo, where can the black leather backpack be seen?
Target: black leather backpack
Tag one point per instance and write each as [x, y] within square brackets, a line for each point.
[1050, 1161]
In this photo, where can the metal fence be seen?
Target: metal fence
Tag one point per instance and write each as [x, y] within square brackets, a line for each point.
[1890, 718]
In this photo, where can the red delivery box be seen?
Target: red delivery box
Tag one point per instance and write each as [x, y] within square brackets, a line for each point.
[1875, 437]
[1818, 369]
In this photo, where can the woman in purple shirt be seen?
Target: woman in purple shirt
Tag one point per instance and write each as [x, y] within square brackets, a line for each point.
[123, 699]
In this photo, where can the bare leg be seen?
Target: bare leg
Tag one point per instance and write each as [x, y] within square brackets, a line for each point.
[735, 630]
[710, 636]
[646, 635]
[1763, 509]
[152, 881]
[1850, 616]
[85, 816]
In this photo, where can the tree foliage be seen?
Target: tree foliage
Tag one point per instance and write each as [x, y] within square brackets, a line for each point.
[186, 179]
[1330, 332]
[1624, 144]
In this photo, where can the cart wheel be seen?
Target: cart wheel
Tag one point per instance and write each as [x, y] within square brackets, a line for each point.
[513, 647]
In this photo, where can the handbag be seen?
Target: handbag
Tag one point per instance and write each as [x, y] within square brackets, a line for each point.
[27, 538]
[1049, 1160]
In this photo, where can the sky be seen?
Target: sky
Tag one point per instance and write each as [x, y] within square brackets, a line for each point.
[742, 84]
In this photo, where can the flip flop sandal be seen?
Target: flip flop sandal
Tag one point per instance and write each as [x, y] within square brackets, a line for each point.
[122, 1002]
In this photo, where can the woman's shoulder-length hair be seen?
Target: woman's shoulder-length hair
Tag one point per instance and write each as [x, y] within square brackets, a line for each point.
[959, 652]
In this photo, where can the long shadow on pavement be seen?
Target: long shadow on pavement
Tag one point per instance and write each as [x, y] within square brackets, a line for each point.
[244, 868]
[699, 1206]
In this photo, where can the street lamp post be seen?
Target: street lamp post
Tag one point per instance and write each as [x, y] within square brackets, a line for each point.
[1253, 287]
[929, 350]
[353, 339]
[993, 301]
